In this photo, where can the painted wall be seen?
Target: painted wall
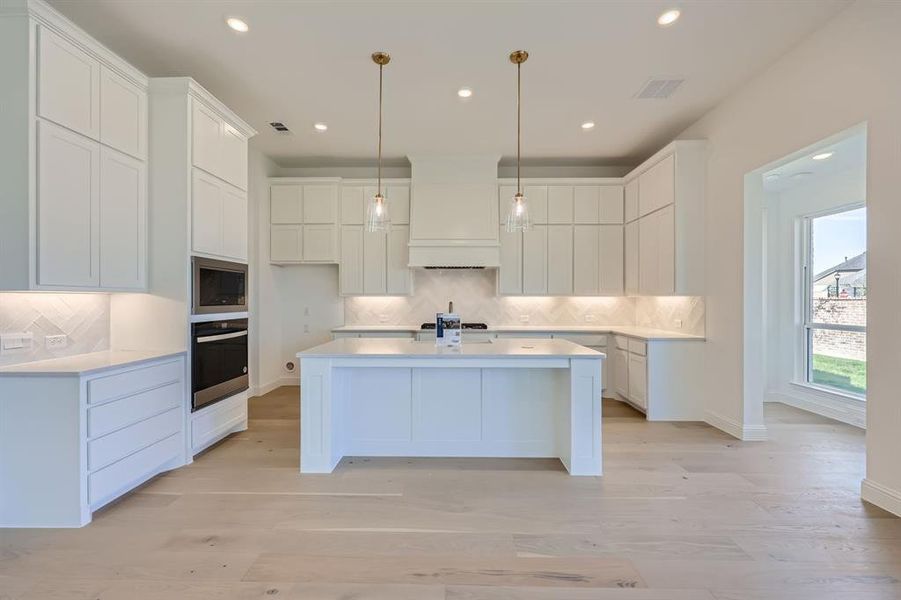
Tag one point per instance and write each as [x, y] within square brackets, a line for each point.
[84, 318]
[838, 77]
[784, 317]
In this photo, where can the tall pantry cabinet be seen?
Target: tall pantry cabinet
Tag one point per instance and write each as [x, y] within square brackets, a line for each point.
[73, 158]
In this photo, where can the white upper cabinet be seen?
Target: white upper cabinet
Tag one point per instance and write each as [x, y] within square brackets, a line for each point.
[350, 272]
[123, 215]
[610, 202]
[586, 260]
[313, 209]
[218, 218]
[509, 280]
[657, 186]
[73, 186]
[123, 114]
[68, 84]
[611, 263]
[631, 258]
[586, 204]
[560, 260]
[68, 208]
[234, 223]
[534, 261]
[631, 201]
[375, 267]
[217, 146]
[399, 280]
[352, 205]
[559, 204]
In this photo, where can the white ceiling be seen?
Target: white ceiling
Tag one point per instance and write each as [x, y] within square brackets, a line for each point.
[304, 62]
[848, 155]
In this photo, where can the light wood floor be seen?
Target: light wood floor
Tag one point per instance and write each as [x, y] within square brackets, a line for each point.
[683, 512]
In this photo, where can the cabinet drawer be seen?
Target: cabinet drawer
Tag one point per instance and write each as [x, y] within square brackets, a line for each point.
[621, 342]
[120, 477]
[590, 340]
[115, 415]
[132, 382]
[119, 444]
[638, 347]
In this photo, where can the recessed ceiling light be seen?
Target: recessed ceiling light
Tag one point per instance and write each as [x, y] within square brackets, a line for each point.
[464, 92]
[588, 125]
[822, 155]
[668, 18]
[320, 127]
[237, 24]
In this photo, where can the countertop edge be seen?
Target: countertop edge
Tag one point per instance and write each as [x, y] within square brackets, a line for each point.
[33, 369]
[661, 336]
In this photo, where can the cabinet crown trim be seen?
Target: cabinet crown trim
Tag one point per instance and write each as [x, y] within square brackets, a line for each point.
[187, 85]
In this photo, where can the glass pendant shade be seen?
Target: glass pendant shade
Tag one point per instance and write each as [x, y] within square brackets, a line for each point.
[377, 218]
[518, 218]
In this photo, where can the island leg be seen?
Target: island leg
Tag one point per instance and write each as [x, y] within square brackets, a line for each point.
[583, 452]
[320, 446]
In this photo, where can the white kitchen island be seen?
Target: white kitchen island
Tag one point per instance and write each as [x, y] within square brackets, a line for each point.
[399, 397]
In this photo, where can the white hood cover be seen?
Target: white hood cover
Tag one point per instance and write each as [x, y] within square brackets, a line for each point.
[453, 211]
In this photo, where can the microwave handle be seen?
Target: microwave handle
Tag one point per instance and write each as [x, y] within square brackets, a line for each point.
[223, 336]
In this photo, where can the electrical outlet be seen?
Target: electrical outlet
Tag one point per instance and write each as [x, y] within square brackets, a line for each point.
[589, 318]
[678, 323]
[306, 311]
[15, 343]
[55, 342]
[524, 318]
[306, 328]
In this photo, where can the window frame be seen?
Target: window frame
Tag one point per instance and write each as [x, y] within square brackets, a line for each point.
[808, 326]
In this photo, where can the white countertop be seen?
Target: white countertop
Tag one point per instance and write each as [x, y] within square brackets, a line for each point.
[404, 348]
[643, 333]
[83, 364]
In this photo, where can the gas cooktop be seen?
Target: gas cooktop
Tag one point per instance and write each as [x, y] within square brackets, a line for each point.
[464, 326]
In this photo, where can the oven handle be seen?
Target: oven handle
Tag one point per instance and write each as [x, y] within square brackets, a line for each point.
[223, 336]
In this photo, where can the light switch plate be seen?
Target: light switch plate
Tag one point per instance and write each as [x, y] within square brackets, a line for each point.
[678, 323]
[15, 343]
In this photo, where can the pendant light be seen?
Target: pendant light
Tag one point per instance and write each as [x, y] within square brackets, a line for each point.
[518, 217]
[377, 213]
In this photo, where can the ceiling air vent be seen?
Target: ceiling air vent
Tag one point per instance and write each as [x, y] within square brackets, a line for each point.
[658, 88]
[280, 128]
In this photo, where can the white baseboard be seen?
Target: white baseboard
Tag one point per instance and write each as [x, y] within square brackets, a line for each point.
[746, 433]
[265, 388]
[832, 406]
[883, 497]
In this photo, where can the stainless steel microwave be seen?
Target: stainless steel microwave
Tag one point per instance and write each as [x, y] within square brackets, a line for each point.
[219, 286]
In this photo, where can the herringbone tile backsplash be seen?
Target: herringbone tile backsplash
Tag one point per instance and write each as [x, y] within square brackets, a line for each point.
[474, 295]
[84, 318]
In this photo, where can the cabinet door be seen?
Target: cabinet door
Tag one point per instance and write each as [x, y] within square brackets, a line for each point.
[666, 251]
[630, 212]
[610, 202]
[586, 204]
[621, 372]
[638, 380]
[657, 186]
[68, 84]
[320, 203]
[559, 204]
[586, 253]
[319, 243]
[631, 258]
[536, 200]
[399, 280]
[123, 114]
[285, 203]
[560, 260]
[123, 218]
[68, 207]
[234, 223]
[398, 199]
[233, 160]
[647, 255]
[534, 260]
[611, 275]
[351, 264]
[352, 205]
[286, 243]
[510, 272]
[375, 277]
[206, 139]
[206, 213]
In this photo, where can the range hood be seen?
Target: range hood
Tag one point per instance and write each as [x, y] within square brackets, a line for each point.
[453, 211]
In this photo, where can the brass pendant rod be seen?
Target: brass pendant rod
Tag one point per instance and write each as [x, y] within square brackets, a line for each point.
[381, 67]
[518, 123]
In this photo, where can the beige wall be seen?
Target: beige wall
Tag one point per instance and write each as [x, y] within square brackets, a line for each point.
[840, 76]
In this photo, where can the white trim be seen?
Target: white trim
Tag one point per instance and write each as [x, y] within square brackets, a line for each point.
[880, 495]
[820, 402]
[265, 388]
[746, 433]
[189, 87]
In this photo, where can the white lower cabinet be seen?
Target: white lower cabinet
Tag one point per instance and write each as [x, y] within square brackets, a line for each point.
[621, 372]
[638, 380]
[128, 422]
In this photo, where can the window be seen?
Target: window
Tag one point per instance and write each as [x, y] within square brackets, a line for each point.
[835, 301]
